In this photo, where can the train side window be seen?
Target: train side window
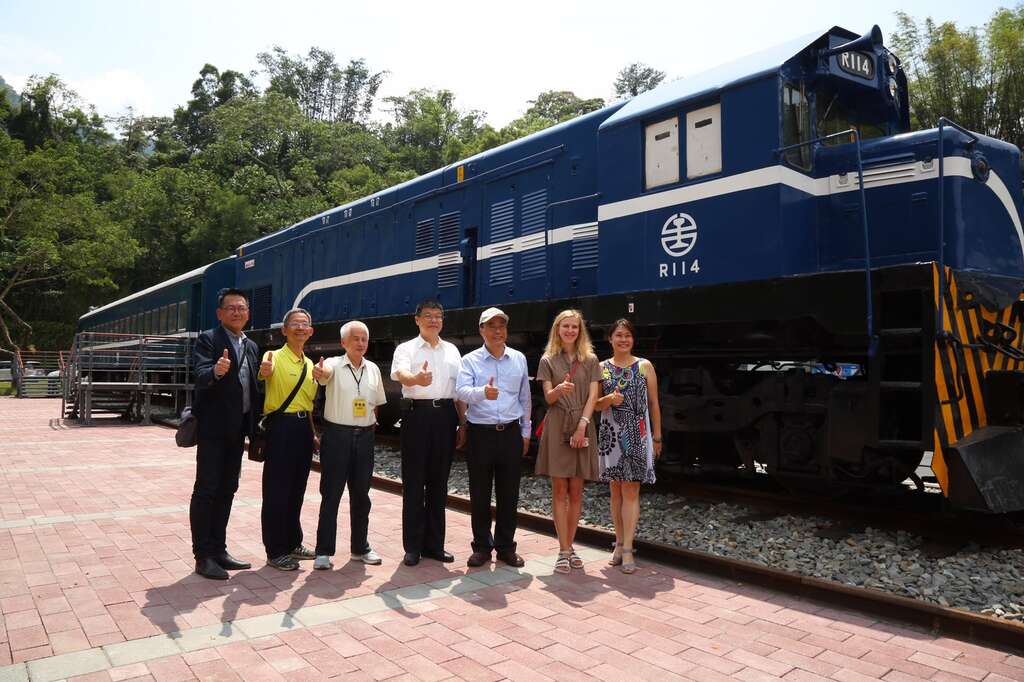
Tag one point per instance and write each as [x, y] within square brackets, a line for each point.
[796, 125]
[182, 315]
[661, 153]
[704, 141]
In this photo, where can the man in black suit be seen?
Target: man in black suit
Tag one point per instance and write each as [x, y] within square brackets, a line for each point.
[227, 406]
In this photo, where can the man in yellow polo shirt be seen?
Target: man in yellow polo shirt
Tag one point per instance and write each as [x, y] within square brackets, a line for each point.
[289, 450]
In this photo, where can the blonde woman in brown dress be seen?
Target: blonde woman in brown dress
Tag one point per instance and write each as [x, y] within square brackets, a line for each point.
[568, 442]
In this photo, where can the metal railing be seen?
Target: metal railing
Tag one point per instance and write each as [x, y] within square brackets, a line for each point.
[36, 374]
[122, 372]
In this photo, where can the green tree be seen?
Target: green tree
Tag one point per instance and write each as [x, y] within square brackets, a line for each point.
[637, 78]
[212, 89]
[323, 90]
[973, 76]
[54, 235]
[429, 131]
[50, 110]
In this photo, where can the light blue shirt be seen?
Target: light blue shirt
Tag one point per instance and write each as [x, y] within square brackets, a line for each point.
[238, 343]
[513, 382]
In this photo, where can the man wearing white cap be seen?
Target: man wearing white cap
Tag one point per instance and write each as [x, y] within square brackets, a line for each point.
[494, 383]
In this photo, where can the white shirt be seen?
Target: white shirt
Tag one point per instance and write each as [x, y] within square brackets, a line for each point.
[443, 360]
[343, 388]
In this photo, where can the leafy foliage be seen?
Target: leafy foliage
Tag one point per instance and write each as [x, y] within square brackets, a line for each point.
[637, 78]
[973, 76]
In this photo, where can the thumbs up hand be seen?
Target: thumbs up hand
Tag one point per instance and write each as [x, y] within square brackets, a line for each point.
[424, 377]
[223, 365]
[319, 373]
[616, 397]
[566, 387]
[267, 366]
[490, 390]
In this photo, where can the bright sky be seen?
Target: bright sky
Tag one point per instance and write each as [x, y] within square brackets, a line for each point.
[495, 56]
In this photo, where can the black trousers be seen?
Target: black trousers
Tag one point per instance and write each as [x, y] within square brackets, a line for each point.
[289, 453]
[218, 465]
[494, 456]
[428, 444]
[346, 458]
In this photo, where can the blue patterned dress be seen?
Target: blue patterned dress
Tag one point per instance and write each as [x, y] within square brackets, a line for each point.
[625, 448]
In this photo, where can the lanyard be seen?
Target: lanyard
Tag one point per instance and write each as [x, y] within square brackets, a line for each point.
[362, 371]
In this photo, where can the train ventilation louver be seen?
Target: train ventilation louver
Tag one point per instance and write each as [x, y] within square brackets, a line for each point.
[533, 209]
[424, 236]
[503, 226]
[262, 302]
[584, 246]
[883, 175]
[448, 230]
[448, 265]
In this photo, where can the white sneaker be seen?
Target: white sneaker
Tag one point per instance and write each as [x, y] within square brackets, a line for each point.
[322, 563]
[370, 557]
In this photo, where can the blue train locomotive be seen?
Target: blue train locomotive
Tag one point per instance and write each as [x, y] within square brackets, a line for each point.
[754, 221]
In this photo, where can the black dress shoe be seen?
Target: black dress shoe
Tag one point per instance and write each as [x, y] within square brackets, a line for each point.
[208, 568]
[511, 559]
[442, 556]
[411, 559]
[478, 559]
[230, 563]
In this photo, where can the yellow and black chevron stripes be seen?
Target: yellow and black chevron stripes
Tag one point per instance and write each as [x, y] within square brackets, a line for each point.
[961, 363]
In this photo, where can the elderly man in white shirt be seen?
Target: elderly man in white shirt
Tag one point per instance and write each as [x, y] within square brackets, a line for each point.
[427, 367]
[354, 390]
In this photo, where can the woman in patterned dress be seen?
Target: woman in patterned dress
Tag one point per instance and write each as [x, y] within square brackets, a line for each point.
[630, 436]
[568, 442]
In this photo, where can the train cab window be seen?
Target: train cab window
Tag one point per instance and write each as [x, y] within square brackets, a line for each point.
[796, 125]
[839, 110]
[661, 153]
[704, 141]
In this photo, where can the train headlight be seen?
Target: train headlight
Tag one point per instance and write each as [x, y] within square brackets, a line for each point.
[894, 89]
[892, 64]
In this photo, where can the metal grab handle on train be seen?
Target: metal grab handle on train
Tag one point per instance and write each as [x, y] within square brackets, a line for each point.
[873, 340]
[943, 123]
[960, 371]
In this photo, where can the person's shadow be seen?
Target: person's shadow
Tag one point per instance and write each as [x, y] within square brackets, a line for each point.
[165, 604]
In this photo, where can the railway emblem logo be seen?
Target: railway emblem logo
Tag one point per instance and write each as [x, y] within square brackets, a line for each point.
[679, 235]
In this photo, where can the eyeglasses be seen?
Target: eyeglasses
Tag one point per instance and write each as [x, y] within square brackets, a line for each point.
[299, 325]
[235, 308]
[432, 318]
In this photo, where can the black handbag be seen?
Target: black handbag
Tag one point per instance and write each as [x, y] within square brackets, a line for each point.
[258, 441]
[187, 434]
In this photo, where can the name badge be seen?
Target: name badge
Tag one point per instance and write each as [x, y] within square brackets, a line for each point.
[359, 407]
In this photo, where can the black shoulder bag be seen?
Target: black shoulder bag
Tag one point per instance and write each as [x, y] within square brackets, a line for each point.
[258, 441]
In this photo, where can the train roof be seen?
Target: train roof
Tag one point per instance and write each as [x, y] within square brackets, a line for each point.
[743, 70]
[191, 274]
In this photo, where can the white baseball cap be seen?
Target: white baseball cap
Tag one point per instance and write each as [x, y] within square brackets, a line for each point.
[492, 312]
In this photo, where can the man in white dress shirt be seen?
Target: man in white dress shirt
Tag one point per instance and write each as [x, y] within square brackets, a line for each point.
[427, 367]
[354, 391]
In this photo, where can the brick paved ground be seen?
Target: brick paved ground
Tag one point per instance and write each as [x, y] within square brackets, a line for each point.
[96, 583]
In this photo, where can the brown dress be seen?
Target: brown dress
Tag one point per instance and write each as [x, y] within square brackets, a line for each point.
[556, 458]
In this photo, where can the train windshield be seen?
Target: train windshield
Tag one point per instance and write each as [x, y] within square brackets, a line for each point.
[840, 109]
